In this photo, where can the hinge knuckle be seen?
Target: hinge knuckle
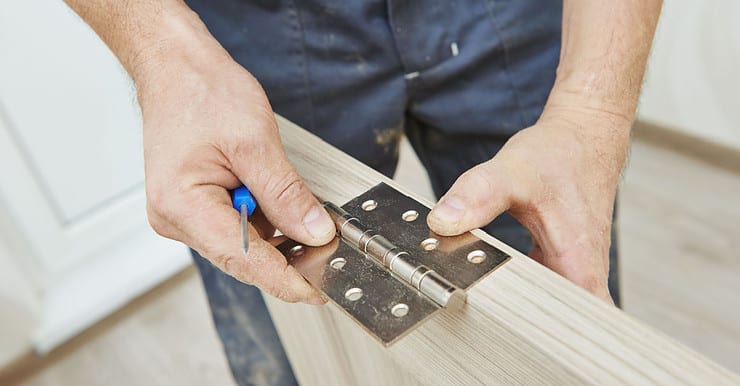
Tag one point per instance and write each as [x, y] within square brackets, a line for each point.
[387, 270]
[380, 248]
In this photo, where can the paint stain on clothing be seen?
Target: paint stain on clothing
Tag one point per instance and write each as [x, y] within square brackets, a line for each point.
[388, 139]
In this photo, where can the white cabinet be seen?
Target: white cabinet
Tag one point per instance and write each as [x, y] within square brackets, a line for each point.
[72, 207]
[692, 78]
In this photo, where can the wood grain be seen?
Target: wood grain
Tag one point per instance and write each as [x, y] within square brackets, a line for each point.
[679, 270]
[522, 324]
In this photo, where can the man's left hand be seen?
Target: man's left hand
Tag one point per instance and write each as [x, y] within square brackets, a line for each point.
[559, 179]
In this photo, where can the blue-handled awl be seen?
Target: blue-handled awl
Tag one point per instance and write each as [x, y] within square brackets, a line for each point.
[243, 201]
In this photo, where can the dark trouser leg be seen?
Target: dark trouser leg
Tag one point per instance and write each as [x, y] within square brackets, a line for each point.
[252, 346]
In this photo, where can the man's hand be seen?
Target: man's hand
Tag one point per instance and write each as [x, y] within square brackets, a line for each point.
[559, 179]
[207, 131]
[208, 128]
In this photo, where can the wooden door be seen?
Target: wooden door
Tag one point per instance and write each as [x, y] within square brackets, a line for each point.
[523, 324]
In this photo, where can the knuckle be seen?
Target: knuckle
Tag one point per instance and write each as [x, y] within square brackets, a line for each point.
[159, 203]
[517, 138]
[226, 262]
[287, 189]
[241, 148]
[156, 222]
[477, 174]
[259, 138]
[155, 200]
[219, 260]
[158, 215]
[165, 211]
[476, 180]
[231, 265]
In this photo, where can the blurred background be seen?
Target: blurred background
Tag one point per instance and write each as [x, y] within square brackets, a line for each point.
[89, 295]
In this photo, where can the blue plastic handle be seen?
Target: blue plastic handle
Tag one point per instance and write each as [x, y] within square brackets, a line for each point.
[241, 196]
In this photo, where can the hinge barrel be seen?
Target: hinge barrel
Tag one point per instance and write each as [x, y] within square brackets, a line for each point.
[421, 277]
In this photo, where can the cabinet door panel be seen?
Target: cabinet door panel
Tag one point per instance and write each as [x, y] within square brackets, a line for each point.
[70, 136]
[69, 106]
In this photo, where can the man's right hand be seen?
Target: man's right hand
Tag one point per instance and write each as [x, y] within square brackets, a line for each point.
[207, 130]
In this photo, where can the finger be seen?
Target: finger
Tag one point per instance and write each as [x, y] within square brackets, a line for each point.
[209, 224]
[474, 200]
[281, 193]
[574, 255]
[266, 268]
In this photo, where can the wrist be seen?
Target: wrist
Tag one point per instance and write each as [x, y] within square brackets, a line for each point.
[590, 128]
[591, 103]
[592, 116]
[600, 91]
[180, 46]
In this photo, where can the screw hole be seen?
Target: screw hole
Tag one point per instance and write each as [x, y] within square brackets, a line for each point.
[429, 244]
[353, 294]
[477, 256]
[369, 205]
[400, 310]
[410, 215]
[338, 263]
[297, 251]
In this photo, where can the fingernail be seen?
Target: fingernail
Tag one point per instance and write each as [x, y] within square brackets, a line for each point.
[449, 210]
[318, 224]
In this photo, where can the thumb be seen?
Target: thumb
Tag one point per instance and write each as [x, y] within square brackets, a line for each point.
[477, 197]
[282, 194]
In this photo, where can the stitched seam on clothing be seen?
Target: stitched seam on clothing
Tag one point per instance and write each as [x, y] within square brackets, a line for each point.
[505, 49]
[405, 69]
[303, 60]
[410, 90]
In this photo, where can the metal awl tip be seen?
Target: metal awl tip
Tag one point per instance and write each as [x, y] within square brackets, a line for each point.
[244, 221]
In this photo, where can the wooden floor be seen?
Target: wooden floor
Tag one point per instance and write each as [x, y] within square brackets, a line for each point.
[680, 239]
[680, 224]
[165, 337]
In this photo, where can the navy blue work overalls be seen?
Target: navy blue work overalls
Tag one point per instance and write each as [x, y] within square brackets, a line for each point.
[458, 77]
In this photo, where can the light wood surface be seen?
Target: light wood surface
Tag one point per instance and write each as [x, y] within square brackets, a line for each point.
[522, 324]
[165, 337]
[682, 285]
[680, 256]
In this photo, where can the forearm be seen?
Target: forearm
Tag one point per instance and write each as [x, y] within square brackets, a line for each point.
[605, 45]
[149, 35]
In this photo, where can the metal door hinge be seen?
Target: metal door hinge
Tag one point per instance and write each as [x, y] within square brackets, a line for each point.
[386, 269]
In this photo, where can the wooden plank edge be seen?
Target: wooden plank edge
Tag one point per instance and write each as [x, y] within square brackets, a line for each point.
[523, 323]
